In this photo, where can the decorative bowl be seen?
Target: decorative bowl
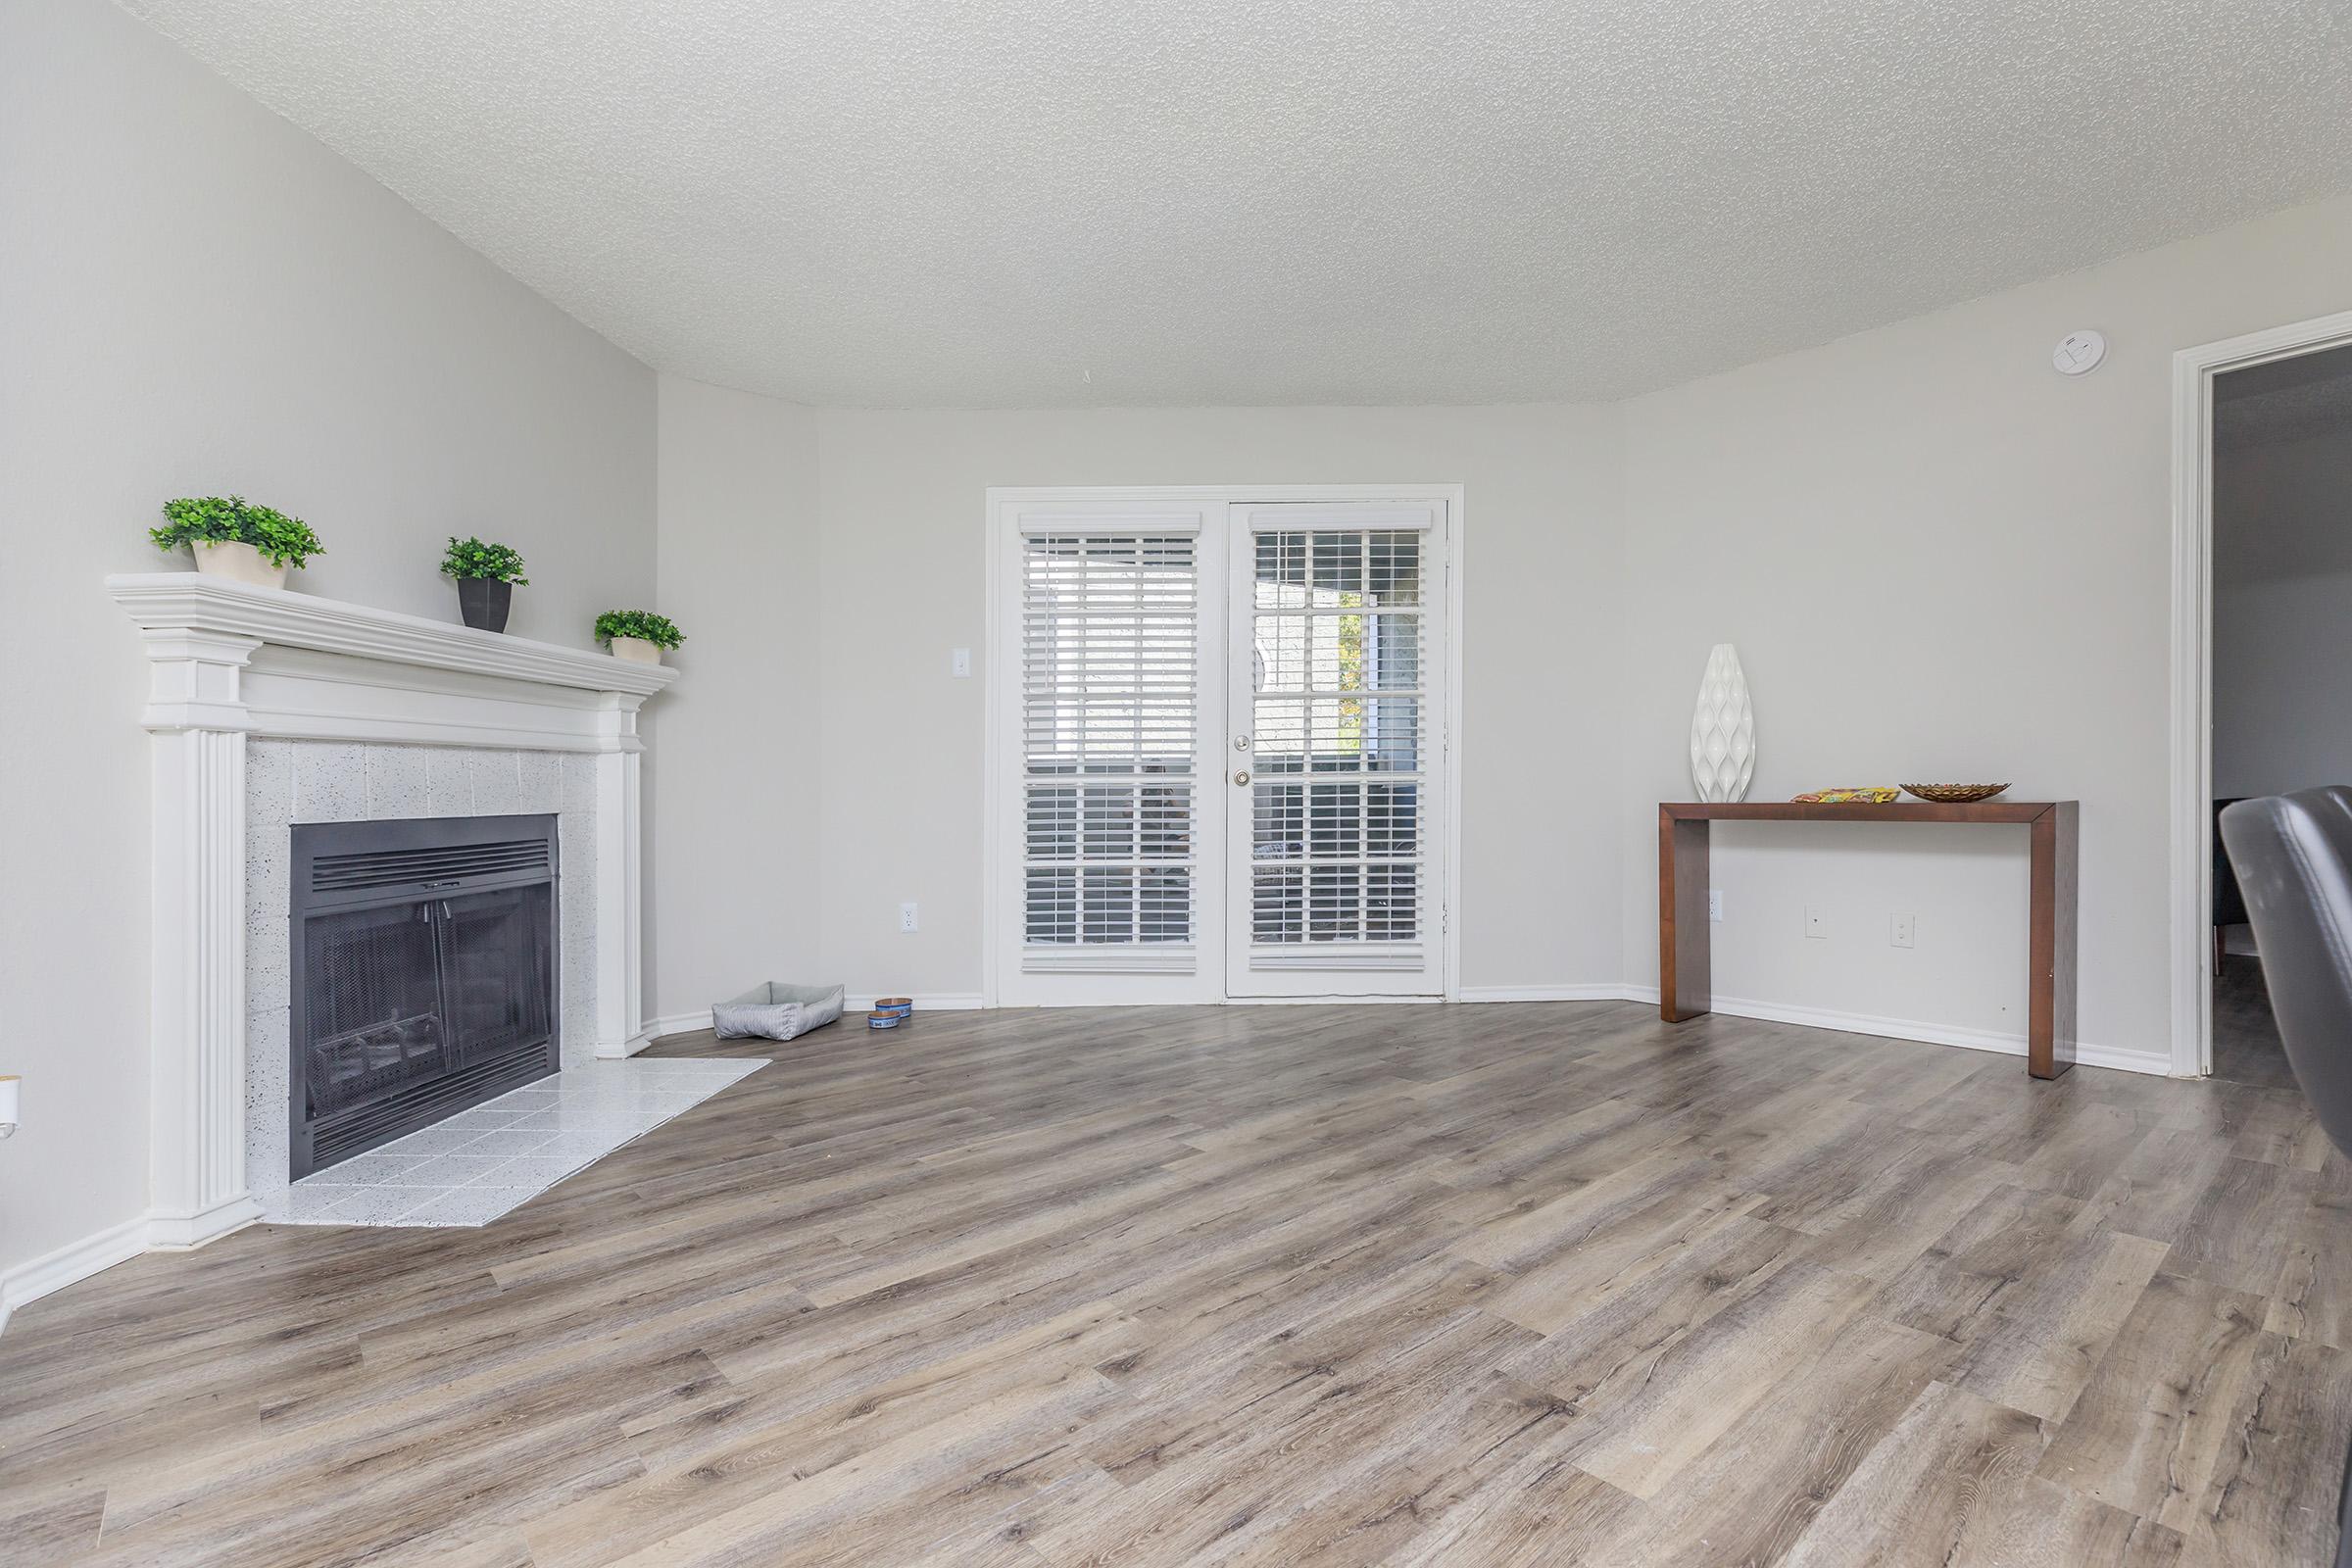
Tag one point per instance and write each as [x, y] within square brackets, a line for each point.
[1955, 794]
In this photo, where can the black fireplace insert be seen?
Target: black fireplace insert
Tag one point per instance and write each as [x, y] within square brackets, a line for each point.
[424, 974]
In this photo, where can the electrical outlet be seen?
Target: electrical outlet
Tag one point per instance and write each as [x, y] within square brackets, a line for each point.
[1714, 904]
[1817, 925]
[1904, 931]
[907, 920]
[959, 663]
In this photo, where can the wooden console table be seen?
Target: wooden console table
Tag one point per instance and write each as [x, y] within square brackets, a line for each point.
[1682, 979]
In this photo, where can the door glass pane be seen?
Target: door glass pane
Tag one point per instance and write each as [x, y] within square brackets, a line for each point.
[1336, 620]
[1109, 713]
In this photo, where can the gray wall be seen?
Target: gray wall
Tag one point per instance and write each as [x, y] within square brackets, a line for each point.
[787, 858]
[737, 755]
[904, 512]
[2283, 614]
[1939, 561]
[195, 297]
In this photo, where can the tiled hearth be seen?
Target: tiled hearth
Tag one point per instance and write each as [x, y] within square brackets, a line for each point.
[479, 1163]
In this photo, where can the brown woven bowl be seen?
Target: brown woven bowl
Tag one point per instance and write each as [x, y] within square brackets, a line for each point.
[1955, 794]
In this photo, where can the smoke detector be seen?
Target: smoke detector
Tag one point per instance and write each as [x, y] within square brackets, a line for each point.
[2078, 353]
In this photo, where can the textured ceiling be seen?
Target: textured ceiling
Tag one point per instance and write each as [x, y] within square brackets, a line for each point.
[1068, 201]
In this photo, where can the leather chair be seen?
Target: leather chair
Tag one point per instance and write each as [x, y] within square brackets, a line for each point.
[2293, 854]
[2293, 857]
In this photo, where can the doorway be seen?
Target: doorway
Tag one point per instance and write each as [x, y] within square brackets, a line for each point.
[2262, 595]
[1219, 752]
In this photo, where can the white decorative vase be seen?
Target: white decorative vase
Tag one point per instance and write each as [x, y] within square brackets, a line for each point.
[636, 650]
[1723, 729]
[238, 562]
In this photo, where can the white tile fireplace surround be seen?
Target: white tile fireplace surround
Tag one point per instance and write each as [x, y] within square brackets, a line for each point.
[269, 708]
[346, 782]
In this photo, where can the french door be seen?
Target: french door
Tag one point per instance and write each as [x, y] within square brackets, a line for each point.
[1217, 748]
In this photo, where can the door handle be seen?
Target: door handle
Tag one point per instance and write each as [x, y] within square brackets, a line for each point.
[1240, 776]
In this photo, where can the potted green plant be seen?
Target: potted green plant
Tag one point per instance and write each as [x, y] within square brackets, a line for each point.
[231, 537]
[637, 635]
[486, 575]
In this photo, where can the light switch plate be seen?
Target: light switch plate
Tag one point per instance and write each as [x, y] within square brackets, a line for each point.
[959, 663]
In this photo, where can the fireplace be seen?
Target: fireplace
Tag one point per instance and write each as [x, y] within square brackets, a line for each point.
[266, 709]
[424, 974]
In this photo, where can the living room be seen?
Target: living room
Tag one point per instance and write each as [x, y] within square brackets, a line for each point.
[1149, 574]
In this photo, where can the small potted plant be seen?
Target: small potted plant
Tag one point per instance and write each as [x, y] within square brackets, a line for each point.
[637, 635]
[235, 539]
[486, 575]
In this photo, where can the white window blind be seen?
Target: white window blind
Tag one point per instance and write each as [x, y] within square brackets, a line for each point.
[1110, 700]
[1336, 844]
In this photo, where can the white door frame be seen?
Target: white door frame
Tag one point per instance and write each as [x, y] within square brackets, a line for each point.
[1001, 500]
[2194, 370]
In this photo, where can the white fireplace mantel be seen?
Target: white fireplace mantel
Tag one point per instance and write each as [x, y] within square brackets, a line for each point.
[229, 661]
[268, 661]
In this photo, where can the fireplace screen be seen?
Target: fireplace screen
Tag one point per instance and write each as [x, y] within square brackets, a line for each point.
[424, 974]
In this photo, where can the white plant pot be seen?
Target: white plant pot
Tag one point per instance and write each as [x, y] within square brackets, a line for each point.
[636, 650]
[239, 562]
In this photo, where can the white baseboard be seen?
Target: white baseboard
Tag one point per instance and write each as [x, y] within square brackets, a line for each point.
[70, 1264]
[687, 1023]
[180, 1233]
[647, 1032]
[2157, 1063]
[936, 1002]
[1597, 991]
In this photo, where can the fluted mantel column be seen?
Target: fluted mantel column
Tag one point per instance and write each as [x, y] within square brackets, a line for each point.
[196, 722]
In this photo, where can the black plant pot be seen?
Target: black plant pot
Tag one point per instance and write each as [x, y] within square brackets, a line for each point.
[484, 603]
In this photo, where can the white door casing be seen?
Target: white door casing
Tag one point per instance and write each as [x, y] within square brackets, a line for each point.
[2191, 693]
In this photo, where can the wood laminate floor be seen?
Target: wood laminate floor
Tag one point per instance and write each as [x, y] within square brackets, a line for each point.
[1529, 1284]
